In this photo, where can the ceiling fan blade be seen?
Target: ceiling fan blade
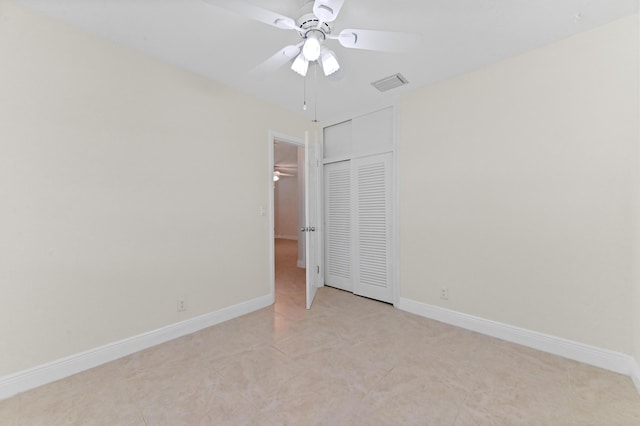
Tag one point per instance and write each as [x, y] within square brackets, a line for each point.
[256, 13]
[278, 59]
[385, 41]
[327, 10]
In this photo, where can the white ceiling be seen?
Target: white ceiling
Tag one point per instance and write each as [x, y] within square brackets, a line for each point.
[457, 36]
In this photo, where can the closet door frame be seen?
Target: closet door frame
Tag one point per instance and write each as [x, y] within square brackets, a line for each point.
[395, 184]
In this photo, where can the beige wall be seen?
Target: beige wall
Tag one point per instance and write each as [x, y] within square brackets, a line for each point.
[286, 207]
[115, 189]
[517, 189]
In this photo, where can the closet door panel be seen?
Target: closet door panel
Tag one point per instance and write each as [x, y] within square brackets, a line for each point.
[372, 133]
[371, 204]
[338, 141]
[338, 229]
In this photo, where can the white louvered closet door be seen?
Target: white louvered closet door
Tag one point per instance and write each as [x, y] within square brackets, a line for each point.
[337, 213]
[371, 184]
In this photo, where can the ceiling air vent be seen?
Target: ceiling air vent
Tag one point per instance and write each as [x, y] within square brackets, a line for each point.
[390, 82]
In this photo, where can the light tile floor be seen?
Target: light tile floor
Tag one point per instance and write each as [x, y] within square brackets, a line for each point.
[347, 361]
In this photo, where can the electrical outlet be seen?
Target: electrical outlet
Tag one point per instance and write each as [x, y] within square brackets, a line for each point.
[182, 304]
[444, 293]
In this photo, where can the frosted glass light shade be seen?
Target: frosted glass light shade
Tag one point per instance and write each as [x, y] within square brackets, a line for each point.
[329, 62]
[300, 65]
[311, 48]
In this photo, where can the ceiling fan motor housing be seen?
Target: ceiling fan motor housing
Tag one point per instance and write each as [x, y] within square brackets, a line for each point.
[309, 21]
[313, 31]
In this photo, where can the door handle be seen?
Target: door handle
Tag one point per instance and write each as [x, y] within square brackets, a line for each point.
[312, 229]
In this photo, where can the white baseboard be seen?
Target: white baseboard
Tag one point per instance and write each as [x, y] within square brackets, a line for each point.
[41, 375]
[301, 264]
[635, 373]
[603, 358]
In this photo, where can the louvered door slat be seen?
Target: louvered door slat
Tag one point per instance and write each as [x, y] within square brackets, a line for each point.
[338, 225]
[372, 211]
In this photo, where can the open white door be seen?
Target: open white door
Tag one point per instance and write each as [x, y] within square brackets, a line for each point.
[311, 227]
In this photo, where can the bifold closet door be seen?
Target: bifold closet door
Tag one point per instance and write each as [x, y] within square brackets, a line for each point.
[371, 221]
[338, 229]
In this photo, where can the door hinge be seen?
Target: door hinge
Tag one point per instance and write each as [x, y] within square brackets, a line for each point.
[318, 268]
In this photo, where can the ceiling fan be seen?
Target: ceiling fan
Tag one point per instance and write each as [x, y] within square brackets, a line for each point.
[277, 174]
[315, 26]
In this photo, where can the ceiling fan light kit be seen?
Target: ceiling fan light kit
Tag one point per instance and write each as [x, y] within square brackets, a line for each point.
[329, 62]
[311, 47]
[300, 65]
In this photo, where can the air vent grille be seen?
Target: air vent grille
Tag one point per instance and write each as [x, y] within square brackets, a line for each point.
[390, 82]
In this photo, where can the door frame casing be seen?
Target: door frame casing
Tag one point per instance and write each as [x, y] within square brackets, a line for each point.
[292, 140]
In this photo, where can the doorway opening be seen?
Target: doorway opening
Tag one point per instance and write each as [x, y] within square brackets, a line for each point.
[288, 204]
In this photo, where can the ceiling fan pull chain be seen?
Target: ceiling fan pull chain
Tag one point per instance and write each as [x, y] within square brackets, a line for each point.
[315, 94]
[304, 93]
